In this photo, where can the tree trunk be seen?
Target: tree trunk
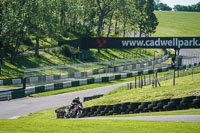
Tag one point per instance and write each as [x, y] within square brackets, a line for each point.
[100, 25]
[110, 23]
[116, 26]
[74, 25]
[15, 51]
[140, 30]
[1, 57]
[37, 45]
[124, 28]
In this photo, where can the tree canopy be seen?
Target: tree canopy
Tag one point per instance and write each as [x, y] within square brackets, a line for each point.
[22, 19]
[192, 8]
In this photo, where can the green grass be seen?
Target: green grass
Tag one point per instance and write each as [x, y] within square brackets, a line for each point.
[9, 86]
[184, 87]
[95, 126]
[178, 24]
[45, 121]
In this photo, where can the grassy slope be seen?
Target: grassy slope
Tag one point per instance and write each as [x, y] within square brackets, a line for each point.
[185, 86]
[95, 126]
[179, 24]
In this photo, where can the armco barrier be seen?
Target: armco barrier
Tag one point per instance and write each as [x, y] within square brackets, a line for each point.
[77, 74]
[18, 93]
[56, 86]
[131, 108]
[10, 81]
[95, 71]
[5, 95]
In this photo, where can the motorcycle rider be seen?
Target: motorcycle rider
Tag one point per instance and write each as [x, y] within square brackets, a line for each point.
[75, 101]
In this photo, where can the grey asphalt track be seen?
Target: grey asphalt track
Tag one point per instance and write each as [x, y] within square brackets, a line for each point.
[177, 118]
[25, 106]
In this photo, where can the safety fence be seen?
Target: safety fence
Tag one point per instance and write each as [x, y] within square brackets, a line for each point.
[148, 79]
[19, 93]
[55, 74]
[138, 107]
[139, 82]
[40, 76]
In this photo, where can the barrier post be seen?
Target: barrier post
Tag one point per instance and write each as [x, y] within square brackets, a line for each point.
[135, 82]
[24, 83]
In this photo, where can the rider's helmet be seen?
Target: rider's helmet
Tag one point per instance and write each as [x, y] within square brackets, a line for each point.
[77, 98]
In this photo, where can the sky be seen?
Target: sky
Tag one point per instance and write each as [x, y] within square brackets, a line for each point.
[171, 3]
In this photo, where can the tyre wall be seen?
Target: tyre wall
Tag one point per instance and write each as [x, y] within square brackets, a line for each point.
[139, 107]
[91, 98]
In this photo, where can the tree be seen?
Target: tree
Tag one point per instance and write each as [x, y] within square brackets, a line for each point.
[40, 19]
[1, 44]
[104, 8]
[156, 2]
[140, 15]
[13, 26]
[164, 7]
[151, 20]
[193, 8]
[125, 13]
[110, 17]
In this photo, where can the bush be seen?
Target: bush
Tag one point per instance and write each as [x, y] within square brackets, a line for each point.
[69, 51]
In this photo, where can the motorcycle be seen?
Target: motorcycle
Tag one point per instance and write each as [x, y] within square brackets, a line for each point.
[74, 112]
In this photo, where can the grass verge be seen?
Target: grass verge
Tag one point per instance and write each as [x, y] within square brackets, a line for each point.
[185, 86]
[50, 114]
[44, 122]
[95, 126]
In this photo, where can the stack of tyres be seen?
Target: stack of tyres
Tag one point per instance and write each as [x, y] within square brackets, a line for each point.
[91, 98]
[143, 107]
[93, 109]
[152, 105]
[186, 102]
[109, 110]
[100, 110]
[196, 102]
[175, 104]
[60, 112]
[132, 107]
[116, 109]
[160, 105]
[86, 112]
[124, 108]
